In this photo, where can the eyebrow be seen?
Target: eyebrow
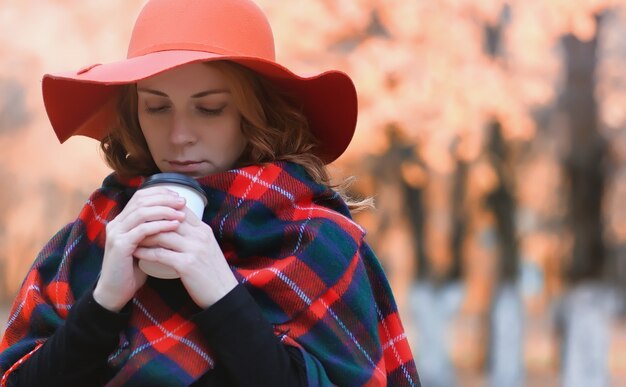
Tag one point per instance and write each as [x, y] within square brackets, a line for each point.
[197, 95]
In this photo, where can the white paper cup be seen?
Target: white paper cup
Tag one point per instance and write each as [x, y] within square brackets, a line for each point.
[195, 200]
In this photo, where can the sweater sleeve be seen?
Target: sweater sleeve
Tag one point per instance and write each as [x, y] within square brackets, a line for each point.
[246, 349]
[77, 352]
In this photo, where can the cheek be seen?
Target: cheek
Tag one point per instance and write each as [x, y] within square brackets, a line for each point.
[223, 142]
[242, 141]
[228, 133]
[150, 126]
[144, 125]
[150, 134]
[237, 139]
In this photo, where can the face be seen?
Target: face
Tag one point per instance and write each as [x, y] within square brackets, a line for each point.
[190, 121]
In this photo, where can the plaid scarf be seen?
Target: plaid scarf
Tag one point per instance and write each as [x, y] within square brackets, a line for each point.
[289, 240]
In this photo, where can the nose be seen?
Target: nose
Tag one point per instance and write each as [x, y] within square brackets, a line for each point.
[182, 132]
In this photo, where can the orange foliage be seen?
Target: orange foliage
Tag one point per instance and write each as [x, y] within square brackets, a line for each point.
[418, 65]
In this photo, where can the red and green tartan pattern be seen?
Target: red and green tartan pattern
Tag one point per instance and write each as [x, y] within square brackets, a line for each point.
[289, 240]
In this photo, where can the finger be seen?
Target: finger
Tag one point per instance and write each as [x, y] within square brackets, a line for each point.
[125, 243]
[192, 224]
[161, 200]
[157, 254]
[144, 230]
[192, 217]
[150, 214]
[150, 197]
[169, 240]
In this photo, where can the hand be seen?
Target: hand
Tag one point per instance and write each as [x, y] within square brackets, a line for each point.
[192, 250]
[149, 212]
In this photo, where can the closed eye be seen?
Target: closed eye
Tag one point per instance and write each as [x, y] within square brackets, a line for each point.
[157, 109]
[210, 112]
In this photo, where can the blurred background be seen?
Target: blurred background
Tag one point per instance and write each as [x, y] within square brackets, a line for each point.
[492, 136]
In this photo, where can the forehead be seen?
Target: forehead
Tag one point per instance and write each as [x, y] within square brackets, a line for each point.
[192, 75]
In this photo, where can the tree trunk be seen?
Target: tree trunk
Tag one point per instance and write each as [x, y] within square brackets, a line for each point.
[585, 313]
[502, 203]
[584, 165]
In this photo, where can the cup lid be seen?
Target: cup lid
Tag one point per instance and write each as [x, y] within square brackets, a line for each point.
[173, 178]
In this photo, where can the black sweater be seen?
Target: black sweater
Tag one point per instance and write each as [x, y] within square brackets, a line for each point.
[246, 350]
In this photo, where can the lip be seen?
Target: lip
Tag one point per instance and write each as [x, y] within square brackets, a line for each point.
[185, 166]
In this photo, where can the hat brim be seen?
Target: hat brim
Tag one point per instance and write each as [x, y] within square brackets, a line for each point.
[83, 102]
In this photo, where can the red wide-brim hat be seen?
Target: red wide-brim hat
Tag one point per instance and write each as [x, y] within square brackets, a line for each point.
[172, 33]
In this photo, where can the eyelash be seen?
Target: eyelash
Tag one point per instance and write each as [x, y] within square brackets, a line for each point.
[155, 110]
[203, 111]
[210, 112]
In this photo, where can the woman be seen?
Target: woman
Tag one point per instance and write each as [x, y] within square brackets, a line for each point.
[277, 286]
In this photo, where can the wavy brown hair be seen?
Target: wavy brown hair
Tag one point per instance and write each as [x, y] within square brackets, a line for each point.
[275, 130]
